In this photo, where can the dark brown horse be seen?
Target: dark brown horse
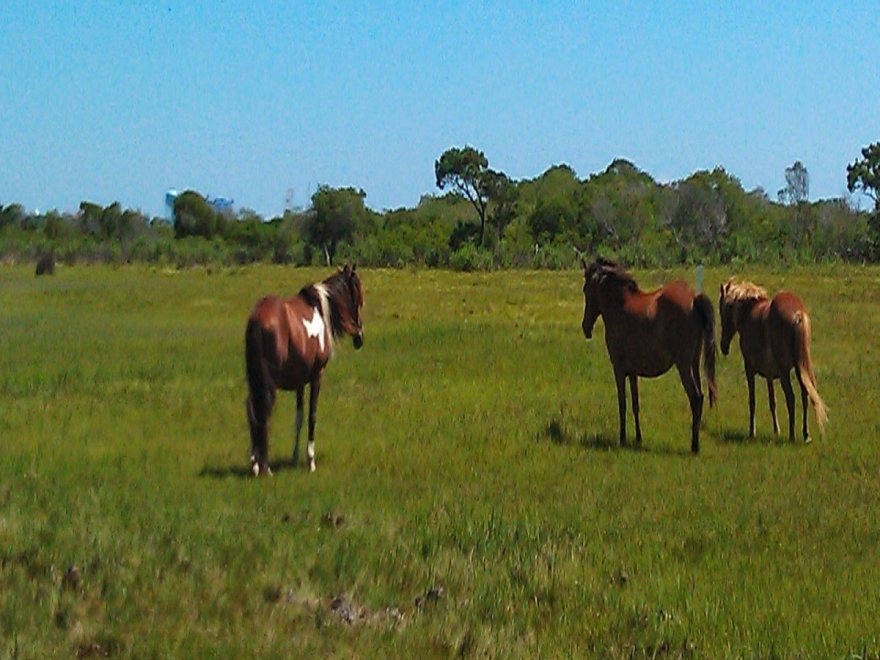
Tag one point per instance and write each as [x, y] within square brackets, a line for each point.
[287, 344]
[774, 338]
[647, 333]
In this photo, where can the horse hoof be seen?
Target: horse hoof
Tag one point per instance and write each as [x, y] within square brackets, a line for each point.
[255, 468]
[311, 466]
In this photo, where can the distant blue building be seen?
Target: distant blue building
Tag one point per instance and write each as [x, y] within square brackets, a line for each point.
[170, 196]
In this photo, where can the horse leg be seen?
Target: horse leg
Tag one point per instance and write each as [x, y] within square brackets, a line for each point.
[297, 425]
[634, 390]
[805, 400]
[620, 378]
[314, 391]
[258, 421]
[771, 397]
[785, 379]
[696, 400]
[750, 382]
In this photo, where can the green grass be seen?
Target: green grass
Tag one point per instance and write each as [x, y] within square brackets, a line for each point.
[470, 496]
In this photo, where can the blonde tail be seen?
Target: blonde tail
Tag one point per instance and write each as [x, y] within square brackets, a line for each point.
[805, 366]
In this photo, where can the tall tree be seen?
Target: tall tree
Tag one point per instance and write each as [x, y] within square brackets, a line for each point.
[796, 193]
[193, 216]
[466, 171]
[797, 185]
[338, 213]
[503, 194]
[864, 175]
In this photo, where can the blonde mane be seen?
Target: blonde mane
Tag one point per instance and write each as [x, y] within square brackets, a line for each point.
[734, 292]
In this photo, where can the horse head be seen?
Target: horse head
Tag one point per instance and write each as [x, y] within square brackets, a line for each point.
[597, 276]
[594, 276]
[353, 320]
[726, 312]
[736, 298]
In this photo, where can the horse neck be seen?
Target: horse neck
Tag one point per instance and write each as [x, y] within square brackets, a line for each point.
[614, 301]
[335, 305]
[743, 309]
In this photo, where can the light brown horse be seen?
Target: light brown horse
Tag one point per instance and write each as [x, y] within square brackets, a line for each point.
[287, 344]
[774, 338]
[647, 333]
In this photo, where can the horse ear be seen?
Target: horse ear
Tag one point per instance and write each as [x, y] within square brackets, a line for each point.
[584, 263]
[354, 267]
[346, 269]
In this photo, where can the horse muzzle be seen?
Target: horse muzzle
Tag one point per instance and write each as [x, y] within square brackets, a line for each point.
[588, 331]
[358, 340]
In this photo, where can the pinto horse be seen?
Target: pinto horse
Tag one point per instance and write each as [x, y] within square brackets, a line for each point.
[647, 333]
[774, 338]
[287, 344]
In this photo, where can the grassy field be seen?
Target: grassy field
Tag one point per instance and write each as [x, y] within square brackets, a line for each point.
[470, 498]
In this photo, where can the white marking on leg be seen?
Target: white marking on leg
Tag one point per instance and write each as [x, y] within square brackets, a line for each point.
[310, 451]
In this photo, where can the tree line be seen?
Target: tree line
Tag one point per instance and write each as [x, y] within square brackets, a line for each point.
[482, 219]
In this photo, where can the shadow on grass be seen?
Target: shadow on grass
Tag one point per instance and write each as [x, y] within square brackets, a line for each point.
[742, 437]
[736, 437]
[243, 471]
[558, 434]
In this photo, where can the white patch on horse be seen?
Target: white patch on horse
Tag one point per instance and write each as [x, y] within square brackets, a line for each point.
[315, 327]
[324, 298]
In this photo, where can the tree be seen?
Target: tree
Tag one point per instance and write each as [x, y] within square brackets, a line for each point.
[193, 216]
[503, 193]
[864, 175]
[698, 218]
[466, 171]
[797, 185]
[337, 214]
[109, 220]
[552, 216]
[12, 215]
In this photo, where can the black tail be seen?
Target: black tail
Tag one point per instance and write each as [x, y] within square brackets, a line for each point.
[706, 314]
[261, 393]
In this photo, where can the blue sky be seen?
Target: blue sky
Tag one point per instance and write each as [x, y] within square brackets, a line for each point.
[122, 100]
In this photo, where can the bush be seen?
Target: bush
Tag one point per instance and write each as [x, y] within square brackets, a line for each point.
[470, 258]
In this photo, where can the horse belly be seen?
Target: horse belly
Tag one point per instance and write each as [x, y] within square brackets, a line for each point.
[642, 359]
[293, 374]
[653, 367]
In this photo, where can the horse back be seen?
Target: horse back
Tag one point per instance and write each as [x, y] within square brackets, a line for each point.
[656, 328]
[293, 355]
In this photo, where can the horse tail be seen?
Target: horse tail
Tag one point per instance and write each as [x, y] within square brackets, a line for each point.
[803, 335]
[259, 379]
[706, 315]
[261, 393]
